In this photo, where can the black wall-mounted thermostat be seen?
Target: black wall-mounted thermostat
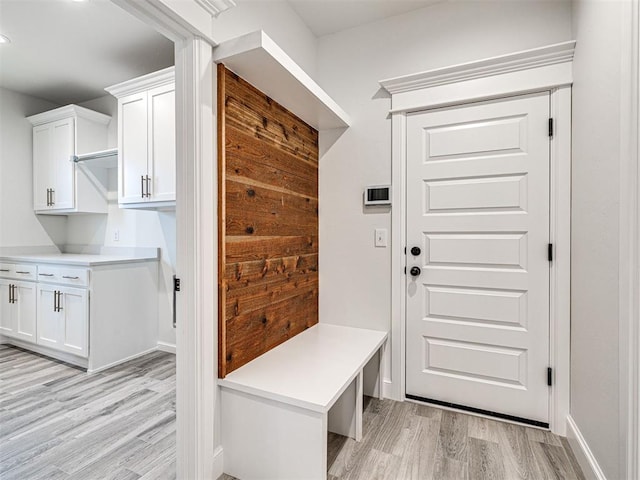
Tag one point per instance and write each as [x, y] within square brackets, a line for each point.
[377, 195]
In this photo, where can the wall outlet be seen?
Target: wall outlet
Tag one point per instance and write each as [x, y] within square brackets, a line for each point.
[381, 237]
[116, 235]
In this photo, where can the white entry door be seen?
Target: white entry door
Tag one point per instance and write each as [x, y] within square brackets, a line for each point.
[478, 210]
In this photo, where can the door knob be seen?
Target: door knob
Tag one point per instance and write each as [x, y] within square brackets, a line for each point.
[415, 251]
[415, 271]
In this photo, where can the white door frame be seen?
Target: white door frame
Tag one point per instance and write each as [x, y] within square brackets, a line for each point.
[189, 24]
[540, 69]
[629, 254]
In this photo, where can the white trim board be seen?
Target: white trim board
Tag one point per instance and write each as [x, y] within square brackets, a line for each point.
[517, 73]
[166, 347]
[582, 452]
[189, 25]
[629, 247]
[260, 61]
[555, 77]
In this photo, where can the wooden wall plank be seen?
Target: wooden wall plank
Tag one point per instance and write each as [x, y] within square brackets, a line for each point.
[268, 231]
[248, 157]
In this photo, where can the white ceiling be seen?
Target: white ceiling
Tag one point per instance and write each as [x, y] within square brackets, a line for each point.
[329, 16]
[67, 52]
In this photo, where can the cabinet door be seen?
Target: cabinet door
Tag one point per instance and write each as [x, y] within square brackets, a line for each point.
[25, 311]
[132, 144]
[50, 323]
[42, 168]
[62, 148]
[75, 309]
[7, 316]
[162, 143]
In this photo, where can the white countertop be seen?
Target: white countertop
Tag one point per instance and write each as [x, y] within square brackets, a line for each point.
[79, 259]
[310, 370]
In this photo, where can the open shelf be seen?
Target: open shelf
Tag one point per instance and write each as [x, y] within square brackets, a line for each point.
[260, 61]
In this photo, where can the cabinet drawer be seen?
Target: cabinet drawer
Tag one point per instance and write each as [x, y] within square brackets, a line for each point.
[63, 275]
[18, 271]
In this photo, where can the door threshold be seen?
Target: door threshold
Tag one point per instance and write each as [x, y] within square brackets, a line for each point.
[479, 412]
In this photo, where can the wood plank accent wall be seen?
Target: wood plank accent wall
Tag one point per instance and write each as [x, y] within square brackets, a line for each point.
[268, 223]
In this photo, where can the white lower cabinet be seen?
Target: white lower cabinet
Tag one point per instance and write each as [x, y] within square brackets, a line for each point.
[63, 318]
[94, 315]
[18, 309]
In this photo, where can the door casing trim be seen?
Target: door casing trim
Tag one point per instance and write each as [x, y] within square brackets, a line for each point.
[556, 79]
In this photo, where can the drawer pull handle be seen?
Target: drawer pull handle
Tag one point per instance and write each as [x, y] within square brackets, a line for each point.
[46, 274]
[4, 269]
[72, 278]
[23, 273]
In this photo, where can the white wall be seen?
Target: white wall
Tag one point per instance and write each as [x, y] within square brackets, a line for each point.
[19, 226]
[594, 272]
[136, 228]
[278, 20]
[355, 287]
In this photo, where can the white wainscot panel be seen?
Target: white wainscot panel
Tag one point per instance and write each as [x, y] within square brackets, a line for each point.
[491, 250]
[477, 362]
[498, 308]
[505, 193]
[477, 138]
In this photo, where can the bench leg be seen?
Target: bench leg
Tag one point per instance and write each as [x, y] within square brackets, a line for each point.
[359, 398]
[267, 440]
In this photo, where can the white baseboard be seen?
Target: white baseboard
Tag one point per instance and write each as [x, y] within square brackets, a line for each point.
[167, 347]
[387, 390]
[581, 450]
[118, 362]
[218, 463]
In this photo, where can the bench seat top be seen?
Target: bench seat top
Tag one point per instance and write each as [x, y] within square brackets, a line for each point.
[310, 370]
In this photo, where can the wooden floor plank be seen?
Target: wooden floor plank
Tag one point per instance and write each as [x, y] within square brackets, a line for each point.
[120, 425]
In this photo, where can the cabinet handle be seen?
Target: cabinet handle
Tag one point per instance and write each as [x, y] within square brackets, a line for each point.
[72, 278]
[59, 301]
[4, 269]
[53, 197]
[23, 273]
[46, 274]
[14, 287]
[10, 293]
[55, 300]
[148, 186]
[48, 197]
[142, 186]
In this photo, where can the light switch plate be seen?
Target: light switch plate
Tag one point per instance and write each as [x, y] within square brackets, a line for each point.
[381, 237]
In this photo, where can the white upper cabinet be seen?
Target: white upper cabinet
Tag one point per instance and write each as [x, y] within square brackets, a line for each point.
[59, 186]
[146, 141]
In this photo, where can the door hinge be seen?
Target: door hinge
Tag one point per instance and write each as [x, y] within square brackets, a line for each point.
[550, 252]
[551, 127]
[549, 376]
[176, 288]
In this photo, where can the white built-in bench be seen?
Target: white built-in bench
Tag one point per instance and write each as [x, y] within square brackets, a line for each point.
[277, 409]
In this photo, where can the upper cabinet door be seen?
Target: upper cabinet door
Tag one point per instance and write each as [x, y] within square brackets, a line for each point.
[132, 143]
[162, 143]
[63, 169]
[42, 182]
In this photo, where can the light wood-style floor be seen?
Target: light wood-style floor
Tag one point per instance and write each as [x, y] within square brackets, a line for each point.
[57, 422]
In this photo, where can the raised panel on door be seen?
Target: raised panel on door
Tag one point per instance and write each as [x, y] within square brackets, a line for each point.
[132, 142]
[478, 206]
[75, 309]
[62, 149]
[50, 323]
[7, 316]
[25, 311]
[162, 143]
[42, 169]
